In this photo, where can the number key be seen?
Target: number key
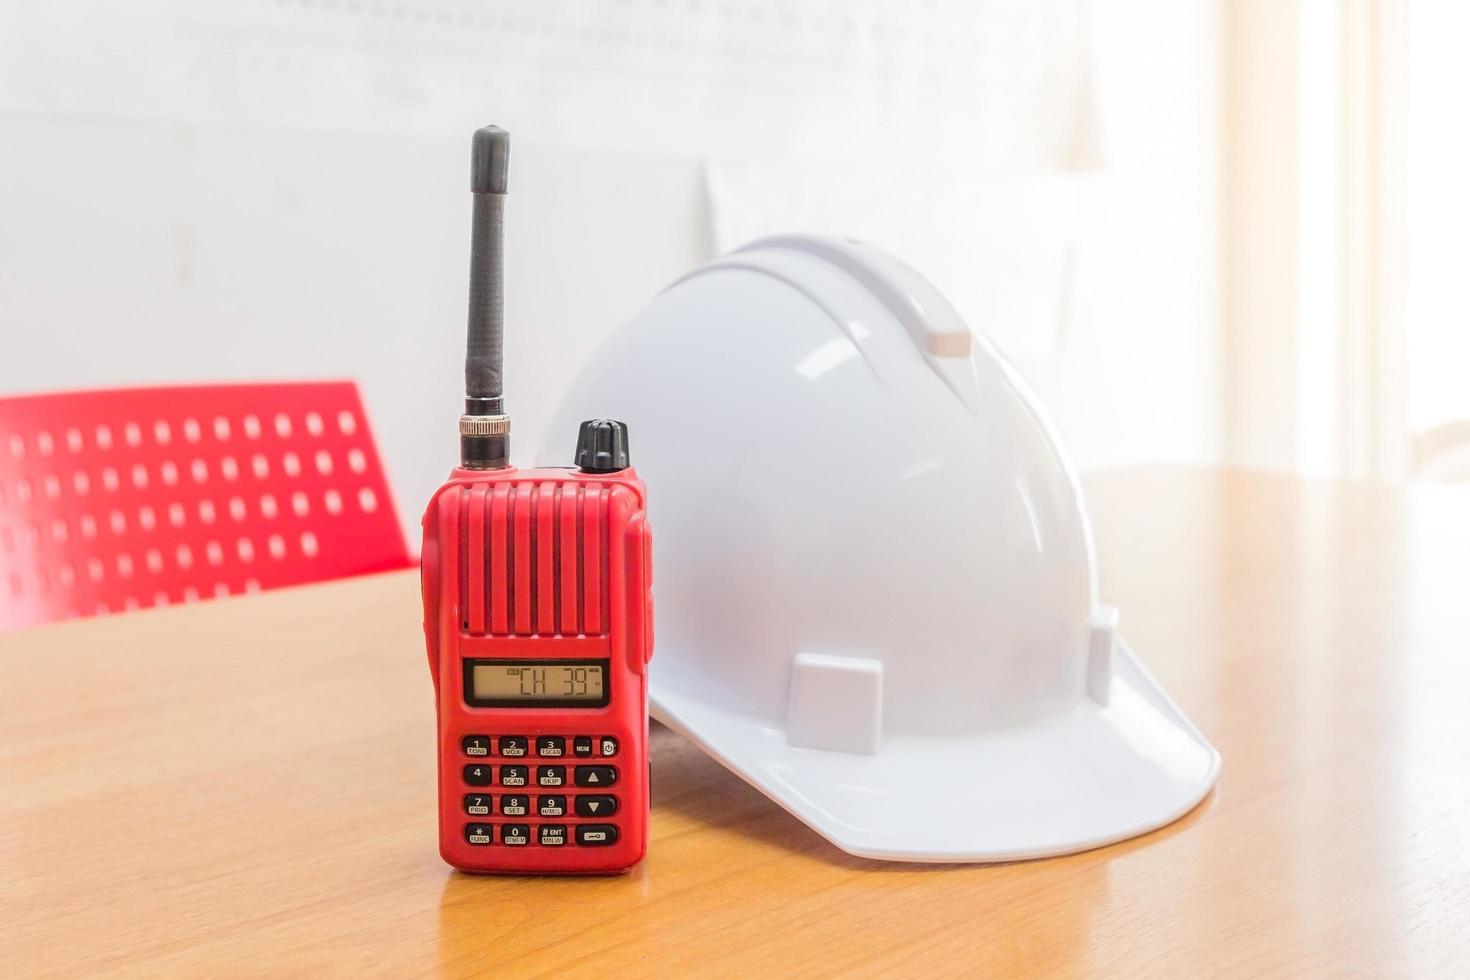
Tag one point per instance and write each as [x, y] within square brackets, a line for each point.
[551, 745]
[475, 744]
[551, 776]
[477, 775]
[477, 805]
[513, 745]
[551, 806]
[515, 806]
[511, 776]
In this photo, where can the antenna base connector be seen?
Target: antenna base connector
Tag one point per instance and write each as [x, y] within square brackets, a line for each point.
[484, 442]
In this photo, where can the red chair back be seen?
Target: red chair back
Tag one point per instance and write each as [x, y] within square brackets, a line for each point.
[120, 499]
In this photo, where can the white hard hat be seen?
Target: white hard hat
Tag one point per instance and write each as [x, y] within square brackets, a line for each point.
[874, 576]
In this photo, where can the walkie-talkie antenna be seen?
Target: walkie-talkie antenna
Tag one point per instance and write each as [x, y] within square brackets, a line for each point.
[484, 429]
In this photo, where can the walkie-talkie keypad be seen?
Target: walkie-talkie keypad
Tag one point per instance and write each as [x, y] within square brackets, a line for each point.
[593, 799]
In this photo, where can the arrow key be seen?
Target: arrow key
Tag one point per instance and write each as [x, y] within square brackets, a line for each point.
[597, 806]
[595, 775]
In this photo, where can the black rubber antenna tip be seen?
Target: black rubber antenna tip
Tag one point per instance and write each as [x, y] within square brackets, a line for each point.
[489, 160]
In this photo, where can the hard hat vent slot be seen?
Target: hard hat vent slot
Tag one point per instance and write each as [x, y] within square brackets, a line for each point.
[836, 703]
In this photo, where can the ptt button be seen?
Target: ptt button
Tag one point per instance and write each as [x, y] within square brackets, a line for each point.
[552, 746]
[597, 806]
[512, 776]
[479, 834]
[515, 835]
[475, 744]
[596, 834]
[513, 745]
[596, 775]
[515, 806]
[477, 805]
[607, 745]
[582, 746]
[551, 806]
[553, 835]
[477, 775]
[551, 776]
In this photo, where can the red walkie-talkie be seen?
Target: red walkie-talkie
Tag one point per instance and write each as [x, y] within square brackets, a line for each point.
[538, 618]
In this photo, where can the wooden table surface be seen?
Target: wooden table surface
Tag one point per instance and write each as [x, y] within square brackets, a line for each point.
[247, 786]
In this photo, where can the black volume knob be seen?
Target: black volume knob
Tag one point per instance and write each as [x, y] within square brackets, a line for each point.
[602, 446]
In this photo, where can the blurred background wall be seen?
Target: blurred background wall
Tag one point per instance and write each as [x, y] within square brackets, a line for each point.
[1188, 223]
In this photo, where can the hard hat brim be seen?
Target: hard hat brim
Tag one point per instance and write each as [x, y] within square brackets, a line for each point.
[1091, 776]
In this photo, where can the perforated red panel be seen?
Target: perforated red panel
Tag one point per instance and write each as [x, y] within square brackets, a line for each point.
[113, 500]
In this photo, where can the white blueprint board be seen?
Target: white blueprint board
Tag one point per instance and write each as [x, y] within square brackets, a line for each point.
[961, 86]
[268, 188]
[918, 125]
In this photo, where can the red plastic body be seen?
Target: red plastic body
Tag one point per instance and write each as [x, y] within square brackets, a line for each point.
[546, 564]
[118, 499]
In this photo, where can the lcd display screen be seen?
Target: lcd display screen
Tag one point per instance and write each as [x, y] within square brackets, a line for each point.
[536, 683]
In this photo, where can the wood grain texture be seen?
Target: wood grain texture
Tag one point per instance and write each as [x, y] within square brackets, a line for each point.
[246, 787]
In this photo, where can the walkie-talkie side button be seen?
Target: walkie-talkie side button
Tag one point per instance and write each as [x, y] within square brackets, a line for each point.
[596, 776]
[607, 745]
[582, 746]
[477, 775]
[551, 775]
[513, 746]
[475, 744]
[596, 834]
[515, 806]
[477, 805]
[597, 806]
[512, 775]
[551, 806]
[553, 835]
[479, 834]
[515, 834]
[551, 746]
